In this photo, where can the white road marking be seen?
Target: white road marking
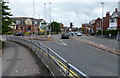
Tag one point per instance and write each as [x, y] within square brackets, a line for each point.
[16, 71]
[25, 70]
[60, 40]
[63, 44]
[34, 69]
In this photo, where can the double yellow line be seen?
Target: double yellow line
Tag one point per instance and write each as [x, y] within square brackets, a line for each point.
[71, 73]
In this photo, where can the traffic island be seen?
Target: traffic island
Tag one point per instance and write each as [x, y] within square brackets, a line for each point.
[40, 38]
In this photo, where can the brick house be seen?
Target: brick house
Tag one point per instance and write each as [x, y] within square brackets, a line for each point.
[26, 24]
[114, 20]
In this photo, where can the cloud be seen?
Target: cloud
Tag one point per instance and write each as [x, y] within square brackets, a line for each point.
[65, 12]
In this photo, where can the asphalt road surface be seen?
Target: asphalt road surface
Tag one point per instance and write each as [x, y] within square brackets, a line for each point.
[20, 61]
[92, 61]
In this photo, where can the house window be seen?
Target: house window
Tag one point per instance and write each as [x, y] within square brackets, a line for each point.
[112, 20]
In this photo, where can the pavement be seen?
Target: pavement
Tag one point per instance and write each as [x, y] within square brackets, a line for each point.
[17, 60]
[97, 45]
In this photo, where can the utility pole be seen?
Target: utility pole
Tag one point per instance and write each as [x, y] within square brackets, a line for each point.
[102, 19]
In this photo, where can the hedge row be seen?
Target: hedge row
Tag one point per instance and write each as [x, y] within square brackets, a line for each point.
[107, 32]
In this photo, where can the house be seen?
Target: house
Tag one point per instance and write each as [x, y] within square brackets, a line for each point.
[114, 20]
[94, 25]
[27, 24]
[87, 28]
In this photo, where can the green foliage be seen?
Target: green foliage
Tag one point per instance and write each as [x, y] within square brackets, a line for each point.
[6, 21]
[26, 33]
[107, 32]
[55, 27]
[82, 29]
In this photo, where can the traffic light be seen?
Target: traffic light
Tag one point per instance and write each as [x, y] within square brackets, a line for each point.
[71, 24]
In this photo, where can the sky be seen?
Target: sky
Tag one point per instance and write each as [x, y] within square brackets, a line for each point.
[64, 11]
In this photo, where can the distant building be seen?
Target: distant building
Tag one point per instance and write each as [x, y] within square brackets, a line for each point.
[27, 24]
[114, 20]
[94, 25]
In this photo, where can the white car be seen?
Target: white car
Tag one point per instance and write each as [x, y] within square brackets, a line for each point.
[79, 34]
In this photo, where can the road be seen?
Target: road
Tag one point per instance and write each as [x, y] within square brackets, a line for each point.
[18, 60]
[92, 61]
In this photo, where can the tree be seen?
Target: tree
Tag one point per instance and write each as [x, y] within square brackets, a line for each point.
[4, 16]
[55, 27]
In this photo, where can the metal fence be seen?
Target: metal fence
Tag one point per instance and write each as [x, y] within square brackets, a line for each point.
[56, 64]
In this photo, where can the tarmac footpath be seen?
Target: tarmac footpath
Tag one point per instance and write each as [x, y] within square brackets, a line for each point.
[91, 43]
[20, 61]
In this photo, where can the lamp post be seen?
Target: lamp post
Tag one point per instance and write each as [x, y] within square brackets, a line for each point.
[50, 18]
[34, 15]
[45, 11]
[102, 19]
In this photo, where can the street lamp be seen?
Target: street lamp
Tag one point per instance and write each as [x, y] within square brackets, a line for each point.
[50, 18]
[102, 18]
[45, 11]
[34, 14]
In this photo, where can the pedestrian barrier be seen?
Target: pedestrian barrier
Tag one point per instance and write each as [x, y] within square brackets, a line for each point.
[56, 64]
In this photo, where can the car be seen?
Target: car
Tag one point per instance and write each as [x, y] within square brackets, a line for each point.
[18, 34]
[71, 33]
[65, 35]
[79, 34]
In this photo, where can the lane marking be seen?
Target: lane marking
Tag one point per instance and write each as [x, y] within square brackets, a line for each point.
[34, 69]
[16, 71]
[25, 70]
[60, 40]
[63, 43]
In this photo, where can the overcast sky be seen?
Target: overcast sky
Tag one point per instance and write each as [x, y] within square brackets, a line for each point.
[76, 11]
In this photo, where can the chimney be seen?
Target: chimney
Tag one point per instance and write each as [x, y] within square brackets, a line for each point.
[116, 10]
[107, 14]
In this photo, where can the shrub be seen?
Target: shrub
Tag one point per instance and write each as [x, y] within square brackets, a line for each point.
[26, 33]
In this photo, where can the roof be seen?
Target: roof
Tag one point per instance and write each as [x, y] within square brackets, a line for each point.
[115, 14]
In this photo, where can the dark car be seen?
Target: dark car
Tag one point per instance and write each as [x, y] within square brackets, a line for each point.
[65, 35]
[18, 34]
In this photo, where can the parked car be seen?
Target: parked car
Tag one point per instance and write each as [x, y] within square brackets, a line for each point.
[79, 34]
[65, 35]
[18, 34]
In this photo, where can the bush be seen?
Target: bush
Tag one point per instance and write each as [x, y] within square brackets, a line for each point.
[107, 32]
[26, 33]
